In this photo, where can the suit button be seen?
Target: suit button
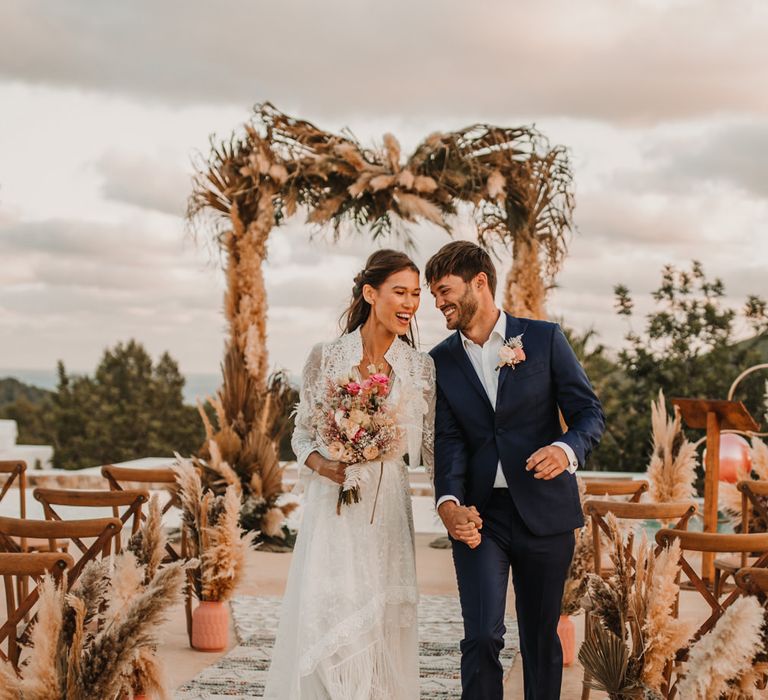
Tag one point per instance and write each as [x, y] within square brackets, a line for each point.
[499, 431]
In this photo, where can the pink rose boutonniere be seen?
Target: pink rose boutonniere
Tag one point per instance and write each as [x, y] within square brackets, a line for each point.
[511, 353]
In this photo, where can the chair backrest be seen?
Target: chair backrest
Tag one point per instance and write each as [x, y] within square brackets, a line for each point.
[716, 543]
[634, 488]
[754, 495]
[17, 570]
[120, 478]
[130, 502]
[100, 530]
[753, 581]
[598, 509]
[16, 470]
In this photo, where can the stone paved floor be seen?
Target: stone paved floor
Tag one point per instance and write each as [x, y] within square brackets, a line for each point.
[266, 574]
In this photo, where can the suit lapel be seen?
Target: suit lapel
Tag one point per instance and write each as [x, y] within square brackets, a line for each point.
[514, 327]
[462, 360]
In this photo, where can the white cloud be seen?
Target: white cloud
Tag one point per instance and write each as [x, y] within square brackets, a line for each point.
[146, 183]
[597, 58]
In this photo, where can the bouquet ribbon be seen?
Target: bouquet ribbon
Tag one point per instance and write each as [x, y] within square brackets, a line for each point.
[376, 497]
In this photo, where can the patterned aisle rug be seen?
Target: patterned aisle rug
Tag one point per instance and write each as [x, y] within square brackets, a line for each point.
[242, 672]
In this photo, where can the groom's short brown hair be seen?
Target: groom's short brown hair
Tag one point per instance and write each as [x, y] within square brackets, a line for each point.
[463, 259]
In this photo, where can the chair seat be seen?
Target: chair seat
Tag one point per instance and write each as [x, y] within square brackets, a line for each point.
[35, 544]
[732, 563]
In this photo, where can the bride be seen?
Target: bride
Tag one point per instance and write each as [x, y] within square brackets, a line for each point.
[348, 623]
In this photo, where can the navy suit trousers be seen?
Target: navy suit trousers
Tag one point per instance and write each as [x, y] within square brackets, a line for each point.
[539, 566]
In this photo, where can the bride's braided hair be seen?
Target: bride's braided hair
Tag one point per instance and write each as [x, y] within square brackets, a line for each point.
[379, 266]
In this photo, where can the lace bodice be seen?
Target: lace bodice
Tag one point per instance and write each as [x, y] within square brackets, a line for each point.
[414, 382]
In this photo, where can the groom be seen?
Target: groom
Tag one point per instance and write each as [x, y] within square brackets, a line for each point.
[504, 469]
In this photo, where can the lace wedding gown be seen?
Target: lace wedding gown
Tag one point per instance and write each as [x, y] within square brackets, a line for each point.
[348, 623]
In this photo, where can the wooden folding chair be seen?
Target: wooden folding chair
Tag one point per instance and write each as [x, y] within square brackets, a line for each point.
[634, 488]
[120, 477]
[754, 496]
[100, 530]
[17, 569]
[597, 510]
[130, 501]
[16, 470]
[713, 542]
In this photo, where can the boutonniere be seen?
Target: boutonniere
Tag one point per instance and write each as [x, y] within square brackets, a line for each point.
[511, 353]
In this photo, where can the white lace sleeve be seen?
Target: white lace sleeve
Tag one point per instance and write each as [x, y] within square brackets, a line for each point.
[304, 438]
[428, 431]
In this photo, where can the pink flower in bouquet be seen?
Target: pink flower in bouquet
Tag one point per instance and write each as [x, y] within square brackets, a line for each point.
[381, 382]
[353, 388]
[370, 452]
[351, 431]
[519, 354]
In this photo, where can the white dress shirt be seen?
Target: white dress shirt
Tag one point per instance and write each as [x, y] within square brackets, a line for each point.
[485, 359]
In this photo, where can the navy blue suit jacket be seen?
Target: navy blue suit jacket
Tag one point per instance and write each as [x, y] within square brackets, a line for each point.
[471, 435]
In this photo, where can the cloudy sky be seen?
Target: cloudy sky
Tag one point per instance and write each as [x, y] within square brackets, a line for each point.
[104, 107]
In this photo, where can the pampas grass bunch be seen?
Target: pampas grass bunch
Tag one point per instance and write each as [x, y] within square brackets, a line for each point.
[672, 470]
[212, 524]
[633, 632]
[242, 448]
[718, 662]
[582, 564]
[663, 635]
[100, 639]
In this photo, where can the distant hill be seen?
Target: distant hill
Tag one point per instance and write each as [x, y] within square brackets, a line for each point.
[12, 389]
[760, 343]
[197, 384]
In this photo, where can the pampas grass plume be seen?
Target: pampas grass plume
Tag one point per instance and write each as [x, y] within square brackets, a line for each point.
[663, 633]
[40, 674]
[725, 653]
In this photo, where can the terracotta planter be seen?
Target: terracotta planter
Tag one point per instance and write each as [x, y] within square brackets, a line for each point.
[210, 626]
[567, 633]
[141, 697]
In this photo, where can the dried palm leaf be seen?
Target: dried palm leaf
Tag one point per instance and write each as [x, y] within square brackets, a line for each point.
[604, 657]
[260, 451]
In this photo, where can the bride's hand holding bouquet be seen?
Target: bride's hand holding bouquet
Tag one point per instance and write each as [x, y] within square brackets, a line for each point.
[358, 426]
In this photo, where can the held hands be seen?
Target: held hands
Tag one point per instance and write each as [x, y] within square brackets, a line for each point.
[548, 462]
[463, 524]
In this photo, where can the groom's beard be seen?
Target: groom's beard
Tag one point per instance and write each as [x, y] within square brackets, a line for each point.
[466, 308]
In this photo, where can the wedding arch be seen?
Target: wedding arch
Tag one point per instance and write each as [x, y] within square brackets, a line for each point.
[517, 188]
